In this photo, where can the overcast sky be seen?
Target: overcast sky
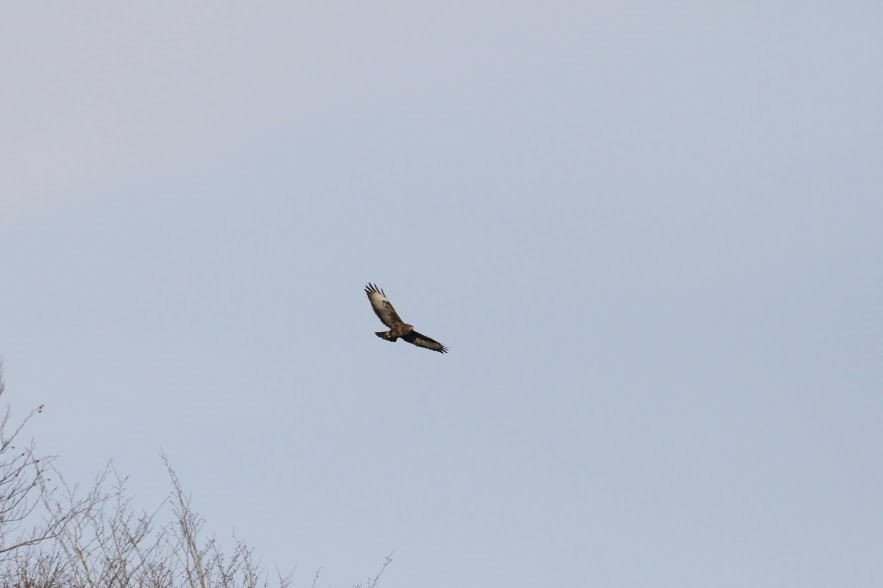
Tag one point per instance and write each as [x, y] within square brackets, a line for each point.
[650, 233]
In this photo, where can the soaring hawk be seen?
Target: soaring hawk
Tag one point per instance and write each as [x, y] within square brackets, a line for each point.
[397, 327]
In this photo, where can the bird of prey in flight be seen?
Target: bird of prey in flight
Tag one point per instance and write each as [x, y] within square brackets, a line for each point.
[397, 327]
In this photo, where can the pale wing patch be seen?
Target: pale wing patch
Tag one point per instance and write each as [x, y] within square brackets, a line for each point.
[382, 306]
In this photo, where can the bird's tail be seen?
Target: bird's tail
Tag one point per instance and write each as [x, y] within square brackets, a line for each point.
[386, 335]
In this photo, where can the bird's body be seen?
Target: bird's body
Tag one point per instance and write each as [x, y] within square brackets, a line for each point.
[398, 329]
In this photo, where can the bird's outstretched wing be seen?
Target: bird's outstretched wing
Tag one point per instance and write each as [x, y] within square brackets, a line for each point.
[382, 306]
[424, 341]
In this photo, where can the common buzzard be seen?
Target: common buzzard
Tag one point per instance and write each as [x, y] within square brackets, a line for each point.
[397, 327]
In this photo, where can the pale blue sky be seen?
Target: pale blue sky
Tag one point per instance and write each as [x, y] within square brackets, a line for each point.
[650, 233]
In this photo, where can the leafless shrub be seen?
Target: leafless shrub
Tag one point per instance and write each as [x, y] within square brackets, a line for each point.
[55, 536]
[23, 478]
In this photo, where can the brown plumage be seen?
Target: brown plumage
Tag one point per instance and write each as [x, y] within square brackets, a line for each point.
[397, 327]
